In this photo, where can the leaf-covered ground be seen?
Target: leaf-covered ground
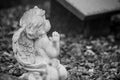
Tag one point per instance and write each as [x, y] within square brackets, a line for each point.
[85, 59]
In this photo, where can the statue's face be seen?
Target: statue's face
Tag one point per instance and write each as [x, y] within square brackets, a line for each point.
[34, 31]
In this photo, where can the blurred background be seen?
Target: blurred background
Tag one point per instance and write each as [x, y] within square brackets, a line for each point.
[13, 3]
[88, 53]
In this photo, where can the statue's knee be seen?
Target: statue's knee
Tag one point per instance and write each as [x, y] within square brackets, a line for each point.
[62, 72]
[52, 73]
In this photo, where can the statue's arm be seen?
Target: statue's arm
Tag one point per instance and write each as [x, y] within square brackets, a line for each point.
[51, 51]
[51, 45]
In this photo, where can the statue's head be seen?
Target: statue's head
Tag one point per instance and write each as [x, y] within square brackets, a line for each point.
[34, 22]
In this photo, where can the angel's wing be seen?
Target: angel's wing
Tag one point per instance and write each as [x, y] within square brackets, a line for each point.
[25, 53]
[23, 48]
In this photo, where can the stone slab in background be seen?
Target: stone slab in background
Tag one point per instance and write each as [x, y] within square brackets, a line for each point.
[95, 23]
[86, 8]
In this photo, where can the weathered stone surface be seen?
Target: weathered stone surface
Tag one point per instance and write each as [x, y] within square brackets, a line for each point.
[34, 50]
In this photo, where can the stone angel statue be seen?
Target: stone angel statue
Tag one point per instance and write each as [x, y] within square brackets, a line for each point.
[34, 50]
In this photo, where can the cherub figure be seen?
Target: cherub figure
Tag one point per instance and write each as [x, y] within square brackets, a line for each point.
[34, 50]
